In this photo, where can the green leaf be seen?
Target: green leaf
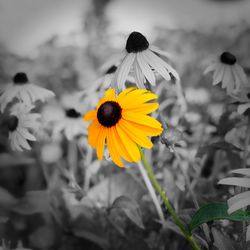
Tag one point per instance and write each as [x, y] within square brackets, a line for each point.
[216, 211]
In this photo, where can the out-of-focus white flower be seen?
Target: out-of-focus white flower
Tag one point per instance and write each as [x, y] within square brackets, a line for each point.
[71, 123]
[227, 71]
[20, 124]
[241, 200]
[198, 96]
[51, 152]
[24, 91]
[142, 60]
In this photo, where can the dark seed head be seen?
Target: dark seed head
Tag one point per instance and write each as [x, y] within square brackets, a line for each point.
[20, 78]
[111, 70]
[12, 123]
[136, 42]
[228, 58]
[72, 113]
[109, 113]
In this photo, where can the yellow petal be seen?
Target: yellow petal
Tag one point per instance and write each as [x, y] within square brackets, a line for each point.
[131, 100]
[130, 146]
[141, 119]
[91, 115]
[135, 134]
[125, 92]
[148, 131]
[145, 108]
[110, 94]
[113, 150]
[101, 142]
[118, 144]
[93, 133]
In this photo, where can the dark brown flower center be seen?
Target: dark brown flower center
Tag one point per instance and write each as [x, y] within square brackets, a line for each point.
[20, 78]
[109, 113]
[111, 70]
[136, 42]
[228, 58]
[12, 123]
[72, 113]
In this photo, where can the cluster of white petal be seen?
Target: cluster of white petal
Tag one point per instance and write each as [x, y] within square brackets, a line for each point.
[241, 200]
[28, 93]
[27, 124]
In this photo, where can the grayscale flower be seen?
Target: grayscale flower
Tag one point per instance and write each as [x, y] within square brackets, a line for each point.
[21, 125]
[24, 91]
[143, 61]
[227, 71]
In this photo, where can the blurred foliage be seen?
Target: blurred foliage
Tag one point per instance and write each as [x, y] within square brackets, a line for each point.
[100, 206]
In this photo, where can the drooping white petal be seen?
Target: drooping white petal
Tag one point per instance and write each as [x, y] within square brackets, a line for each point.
[243, 171]
[238, 202]
[146, 70]
[226, 77]
[236, 181]
[240, 73]
[122, 72]
[160, 52]
[210, 67]
[139, 76]
[218, 74]
[22, 142]
[15, 144]
[156, 63]
[26, 134]
[7, 96]
[243, 107]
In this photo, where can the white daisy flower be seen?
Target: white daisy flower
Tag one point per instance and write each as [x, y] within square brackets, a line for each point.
[20, 124]
[241, 200]
[24, 91]
[142, 60]
[71, 123]
[227, 71]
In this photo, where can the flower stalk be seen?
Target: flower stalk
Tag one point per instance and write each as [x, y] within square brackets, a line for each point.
[171, 210]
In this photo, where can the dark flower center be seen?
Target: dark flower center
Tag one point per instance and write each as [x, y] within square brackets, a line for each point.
[20, 78]
[72, 113]
[248, 95]
[111, 70]
[136, 42]
[12, 123]
[228, 58]
[109, 113]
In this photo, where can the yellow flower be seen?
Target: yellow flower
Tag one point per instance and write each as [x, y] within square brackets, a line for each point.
[122, 122]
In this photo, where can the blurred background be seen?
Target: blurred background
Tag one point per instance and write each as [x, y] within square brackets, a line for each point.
[61, 45]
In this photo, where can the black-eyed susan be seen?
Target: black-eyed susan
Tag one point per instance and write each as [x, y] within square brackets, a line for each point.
[24, 91]
[143, 61]
[122, 122]
[227, 71]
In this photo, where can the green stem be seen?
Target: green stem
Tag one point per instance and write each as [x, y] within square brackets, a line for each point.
[176, 218]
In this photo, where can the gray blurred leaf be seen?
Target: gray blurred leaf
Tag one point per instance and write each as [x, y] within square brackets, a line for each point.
[116, 185]
[130, 208]
[8, 160]
[34, 202]
[7, 200]
[221, 241]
